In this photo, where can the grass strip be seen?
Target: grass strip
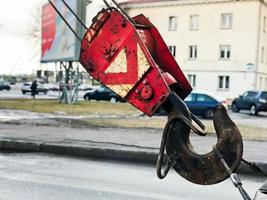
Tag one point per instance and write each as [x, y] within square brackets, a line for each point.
[81, 108]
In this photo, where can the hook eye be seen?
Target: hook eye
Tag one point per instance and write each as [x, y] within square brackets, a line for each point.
[200, 132]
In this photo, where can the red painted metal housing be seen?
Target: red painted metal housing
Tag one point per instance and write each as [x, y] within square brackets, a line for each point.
[132, 60]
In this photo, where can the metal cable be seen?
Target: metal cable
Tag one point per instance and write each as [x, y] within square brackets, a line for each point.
[123, 11]
[76, 16]
[106, 3]
[253, 166]
[234, 177]
[61, 16]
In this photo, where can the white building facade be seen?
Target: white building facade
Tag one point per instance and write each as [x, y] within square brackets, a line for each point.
[221, 45]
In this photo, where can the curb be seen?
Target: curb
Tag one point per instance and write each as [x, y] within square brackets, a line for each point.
[100, 153]
[142, 155]
[20, 145]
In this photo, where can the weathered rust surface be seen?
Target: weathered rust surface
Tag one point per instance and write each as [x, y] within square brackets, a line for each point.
[204, 169]
[127, 59]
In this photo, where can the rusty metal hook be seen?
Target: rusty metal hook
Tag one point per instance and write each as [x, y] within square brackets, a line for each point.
[167, 128]
[201, 169]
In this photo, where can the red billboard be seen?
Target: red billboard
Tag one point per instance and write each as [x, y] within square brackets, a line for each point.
[58, 42]
[48, 27]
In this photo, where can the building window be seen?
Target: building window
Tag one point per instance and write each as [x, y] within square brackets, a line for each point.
[193, 52]
[264, 24]
[194, 22]
[225, 51]
[172, 23]
[226, 20]
[192, 79]
[262, 54]
[190, 97]
[224, 82]
[173, 50]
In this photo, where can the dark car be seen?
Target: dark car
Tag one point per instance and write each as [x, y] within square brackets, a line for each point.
[203, 104]
[102, 93]
[4, 86]
[254, 101]
[26, 88]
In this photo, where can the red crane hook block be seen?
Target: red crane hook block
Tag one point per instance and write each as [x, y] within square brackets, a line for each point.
[132, 60]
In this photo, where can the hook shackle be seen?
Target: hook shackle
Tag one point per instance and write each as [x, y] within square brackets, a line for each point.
[201, 169]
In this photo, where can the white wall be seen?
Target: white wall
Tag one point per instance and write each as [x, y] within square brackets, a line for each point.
[261, 80]
[243, 38]
[238, 82]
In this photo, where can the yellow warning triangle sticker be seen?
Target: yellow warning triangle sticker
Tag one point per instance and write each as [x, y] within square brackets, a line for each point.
[119, 64]
[143, 64]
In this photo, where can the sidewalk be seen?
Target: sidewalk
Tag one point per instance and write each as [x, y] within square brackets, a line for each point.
[135, 145]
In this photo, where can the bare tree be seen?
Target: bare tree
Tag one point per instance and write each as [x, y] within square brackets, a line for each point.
[33, 31]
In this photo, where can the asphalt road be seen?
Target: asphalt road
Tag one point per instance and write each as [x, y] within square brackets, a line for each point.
[49, 177]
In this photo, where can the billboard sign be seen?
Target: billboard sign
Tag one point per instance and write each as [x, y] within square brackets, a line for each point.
[58, 42]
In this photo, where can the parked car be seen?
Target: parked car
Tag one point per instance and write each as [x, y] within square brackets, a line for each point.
[102, 93]
[26, 88]
[254, 101]
[52, 87]
[12, 80]
[4, 86]
[203, 104]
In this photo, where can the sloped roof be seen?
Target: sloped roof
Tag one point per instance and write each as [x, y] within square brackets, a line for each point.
[143, 1]
[129, 2]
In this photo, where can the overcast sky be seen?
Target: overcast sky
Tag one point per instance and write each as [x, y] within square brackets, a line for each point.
[17, 54]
